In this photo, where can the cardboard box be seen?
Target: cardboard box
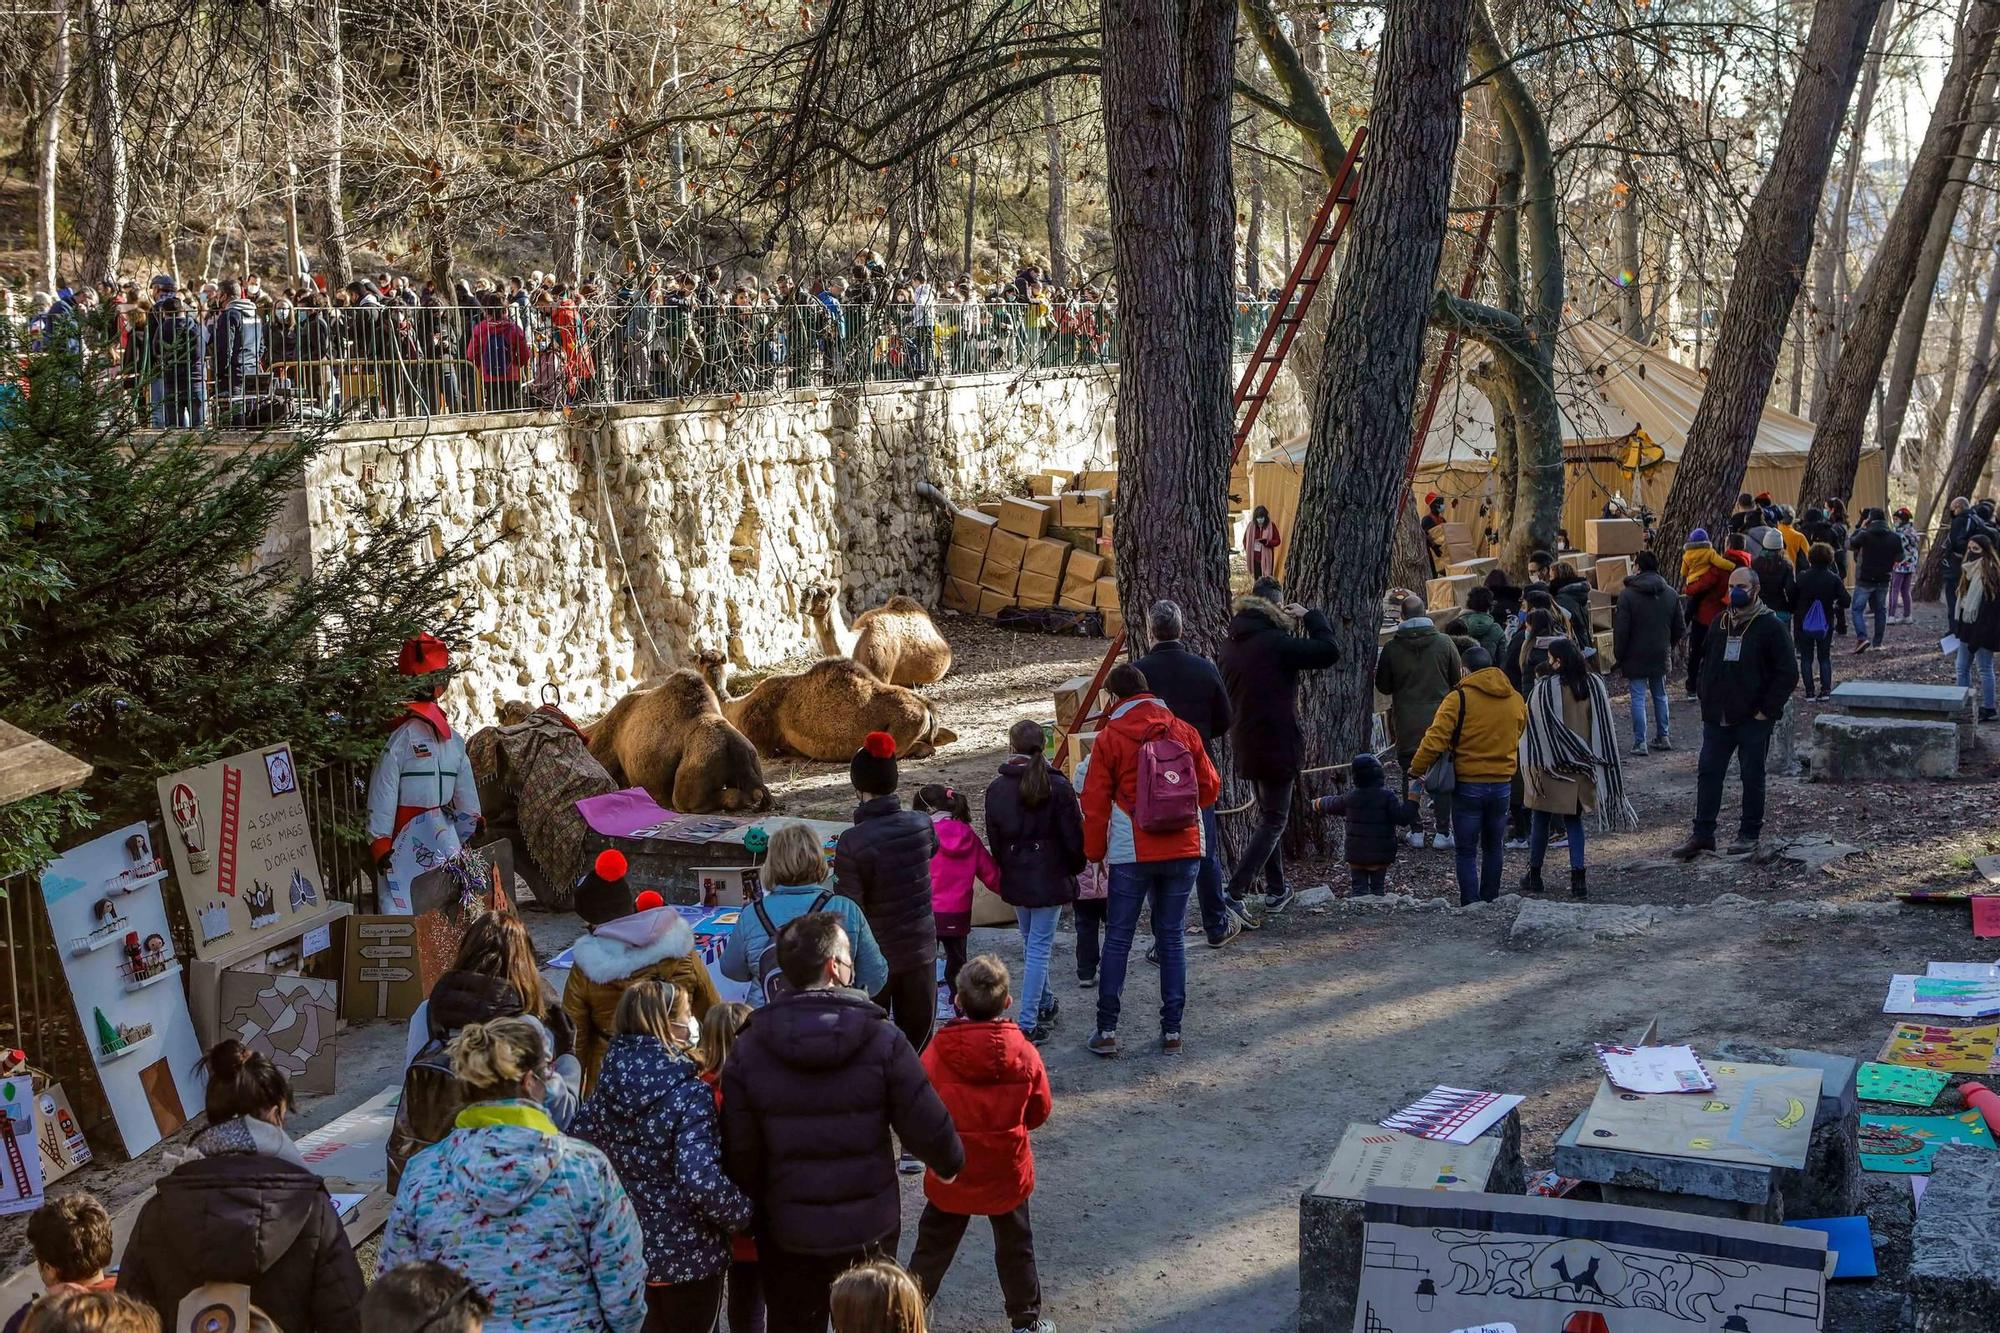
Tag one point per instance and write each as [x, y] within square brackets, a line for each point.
[1036, 590]
[962, 562]
[1580, 561]
[1078, 751]
[992, 603]
[1059, 479]
[1006, 549]
[1107, 594]
[1606, 659]
[1609, 574]
[1083, 509]
[961, 595]
[1097, 479]
[1042, 485]
[1084, 567]
[1600, 617]
[1045, 555]
[1069, 700]
[1081, 539]
[972, 529]
[1114, 623]
[1614, 536]
[1002, 579]
[1449, 591]
[1455, 533]
[1480, 567]
[1030, 518]
[990, 508]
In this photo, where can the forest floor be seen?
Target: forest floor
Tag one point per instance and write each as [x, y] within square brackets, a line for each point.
[1168, 1189]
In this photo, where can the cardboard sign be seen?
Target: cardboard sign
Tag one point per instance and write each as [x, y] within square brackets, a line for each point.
[289, 1019]
[63, 1147]
[1370, 1156]
[1757, 1114]
[20, 1160]
[1966, 1050]
[354, 1147]
[450, 898]
[242, 849]
[1908, 1143]
[1448, 1261]
[379, 977]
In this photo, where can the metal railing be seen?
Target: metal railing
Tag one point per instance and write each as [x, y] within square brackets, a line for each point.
[237, 369]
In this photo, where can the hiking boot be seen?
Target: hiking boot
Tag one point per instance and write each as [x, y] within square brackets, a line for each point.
[1663, 743]
[1170, 1043]
[1240, 914]
[1640, 751]
[1049, 1013]
[1278, 903]
[1230, 930]
[1532, 881]
[1742, 846]
[1692, 848]
[1103, 1043]
[1577, 888]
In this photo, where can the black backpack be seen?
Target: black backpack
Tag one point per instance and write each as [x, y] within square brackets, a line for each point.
[770, 977]
[428, 1109]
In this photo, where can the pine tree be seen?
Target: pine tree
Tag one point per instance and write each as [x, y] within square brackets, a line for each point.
[139, 628]
[108, 1039]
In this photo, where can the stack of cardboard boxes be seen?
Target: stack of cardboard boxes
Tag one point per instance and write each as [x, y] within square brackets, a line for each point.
[1051, 550]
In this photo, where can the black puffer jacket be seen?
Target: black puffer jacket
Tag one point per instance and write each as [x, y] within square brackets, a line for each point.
[240, 1215]
[1190, 686]
[1261, 666]
[460, 998]
[1877, 548]
[811, 1090]
[1372, 812]
[1756, 685]
[1039, 848]
[1645, 626]
[884, 863]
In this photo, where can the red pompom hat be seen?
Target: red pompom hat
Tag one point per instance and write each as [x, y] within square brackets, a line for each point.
[873, 768]
[423, 655]
[603, 894]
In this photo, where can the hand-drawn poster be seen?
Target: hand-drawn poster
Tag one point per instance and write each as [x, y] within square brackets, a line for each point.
[109, 922]
[289, 1019]
[1432, 1262]
[1906, 1085]
[1942, 997]
[63, 1146]
[21, 1182]
[1968, 1050]
[1370, 1156]
[241, 846]
[1759, 1114]
[379, 977]
[1907, 1143]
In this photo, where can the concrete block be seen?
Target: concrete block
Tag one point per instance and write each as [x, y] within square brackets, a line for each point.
[1330, 1238]
[1882, 749]
[1783, 758]
[1922, 703]
[1682, 1184]
[1955, 1262]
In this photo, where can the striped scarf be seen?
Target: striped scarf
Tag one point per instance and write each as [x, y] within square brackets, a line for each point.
[1549, 746]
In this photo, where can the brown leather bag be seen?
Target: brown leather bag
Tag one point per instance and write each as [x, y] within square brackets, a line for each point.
[428, 1109]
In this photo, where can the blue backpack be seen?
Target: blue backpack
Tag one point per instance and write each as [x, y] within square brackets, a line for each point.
[1815, 620]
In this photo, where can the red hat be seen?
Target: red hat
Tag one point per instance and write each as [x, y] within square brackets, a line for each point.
[423, 655]
[1432, 497]
[647, 901]
[604, 894]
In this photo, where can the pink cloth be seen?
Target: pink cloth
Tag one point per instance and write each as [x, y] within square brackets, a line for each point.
[1260, 546]
[621, 814]
[961, 858]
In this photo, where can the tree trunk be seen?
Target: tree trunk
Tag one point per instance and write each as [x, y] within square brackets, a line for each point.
[971, 206]
[1967, 463]
[1631, 314]
[570, 207]
[1058, 190]
[1777, 237]
[1978, 376]
[51, 155]
[338, 258]
[1836, 446]
[1253, 234]
[1167, 81]
[1922, 297]
[1829, 269]
[104, 236]
[1354, 480]
[1939, 411]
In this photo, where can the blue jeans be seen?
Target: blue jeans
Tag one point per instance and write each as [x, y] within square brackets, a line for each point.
[1166, 886]
[1038, 939]
[1657, 685]
[1538, 838]
[1479, 835]
[1864, 593]
[1967, 655]
[1208, 881]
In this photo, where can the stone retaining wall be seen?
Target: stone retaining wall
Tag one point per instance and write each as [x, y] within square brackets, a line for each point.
[626, 540]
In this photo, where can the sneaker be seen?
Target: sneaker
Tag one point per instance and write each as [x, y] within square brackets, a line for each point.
[1274, 905]
[1087, 983]
[1640, 751]
[1416, 837]
[910, 1166]
[1442, 840]
[1559, 840]
[1517, 844]
[1240, 914]
[1039, 1326]
[1170, 1043]
[1050, 1012]
[1230, 930]
[1038, 1034]
[1102, 1043]
[1662, 743]
[1861, 645]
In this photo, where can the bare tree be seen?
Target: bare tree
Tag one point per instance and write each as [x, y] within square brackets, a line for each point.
[104, 236]
[51, 155]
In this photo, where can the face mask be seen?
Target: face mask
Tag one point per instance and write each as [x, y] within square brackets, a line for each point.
[1739, 597]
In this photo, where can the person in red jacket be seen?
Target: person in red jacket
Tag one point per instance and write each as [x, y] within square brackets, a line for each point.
[990, 1077]
[1156, 865]
[1705, 575]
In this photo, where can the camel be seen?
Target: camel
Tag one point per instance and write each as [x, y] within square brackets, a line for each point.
[896, 640]
[673, 740]
[826, 710]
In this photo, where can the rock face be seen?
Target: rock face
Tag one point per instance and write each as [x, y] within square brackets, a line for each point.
[620, 542]
[1955, 1268]
[1883, 749]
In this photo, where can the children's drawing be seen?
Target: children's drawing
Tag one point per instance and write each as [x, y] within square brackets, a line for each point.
[1904, 1084]
[20, 1159]
[1968, 1050]
[1908, 1143]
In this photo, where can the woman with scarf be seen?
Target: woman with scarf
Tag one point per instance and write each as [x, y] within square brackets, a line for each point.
[1569, 761]
[1260, 544]
[1975, 619]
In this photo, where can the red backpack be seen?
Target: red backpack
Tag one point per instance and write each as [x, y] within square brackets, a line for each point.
[1168, 799]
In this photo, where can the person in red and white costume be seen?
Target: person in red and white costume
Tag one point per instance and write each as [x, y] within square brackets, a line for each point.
[423, 804]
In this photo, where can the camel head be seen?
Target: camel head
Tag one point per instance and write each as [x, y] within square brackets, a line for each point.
[713, 664]
[515, 711]
[746, 800]
[819, 600]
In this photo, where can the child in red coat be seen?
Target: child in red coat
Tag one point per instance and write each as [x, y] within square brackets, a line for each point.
[991, 1079]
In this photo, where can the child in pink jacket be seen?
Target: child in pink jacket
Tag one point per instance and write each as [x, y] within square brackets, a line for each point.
[961, 858]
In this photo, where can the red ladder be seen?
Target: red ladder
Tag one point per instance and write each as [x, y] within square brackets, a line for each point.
[1261, 372]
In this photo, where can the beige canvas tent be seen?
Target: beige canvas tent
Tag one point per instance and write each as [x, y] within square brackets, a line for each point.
[1609, 387]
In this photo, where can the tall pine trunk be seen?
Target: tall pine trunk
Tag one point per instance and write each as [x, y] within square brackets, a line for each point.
[1354, 481]
[104, 234]
[1829, 264]
[1836, 446]
[1777, 238]
[1967, 463]
[1058, 219]
[337, 258]
[50, 156]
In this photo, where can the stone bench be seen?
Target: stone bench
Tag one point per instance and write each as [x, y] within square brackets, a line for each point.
[1883, 749]
[1330, 1236]
[1955, 1259]
[1920, 703]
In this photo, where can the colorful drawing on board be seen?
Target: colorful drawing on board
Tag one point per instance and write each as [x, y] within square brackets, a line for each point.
[262, 901]
[1968, 1050]
[288, 1019]
[1908, 1143]
[186, 813]
[20, 1160]
[63, 1147]
[1909, 1085]
[278, 767]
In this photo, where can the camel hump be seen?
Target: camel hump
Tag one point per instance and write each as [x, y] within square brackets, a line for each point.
[905, 606]
[688, 694]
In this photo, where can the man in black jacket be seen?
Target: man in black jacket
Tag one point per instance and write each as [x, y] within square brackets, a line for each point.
[1192, 689]
[1748, 671]
[1876, 548]
[1645, 627]
[239, 342]
[884, 863]
[1965, 521]
[812, 1090]
[1261, 667]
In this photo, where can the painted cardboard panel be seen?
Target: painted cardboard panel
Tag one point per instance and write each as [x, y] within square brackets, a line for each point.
[109, 920]
[21, 1182]
[1758, 1114]
[1370, 1156]
[1451, 1261]
[1962, 1050]
[241, 846]
[451, 898]
[63, 1147]
[379, 973]
[1902, 1144]
[289, 1019]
